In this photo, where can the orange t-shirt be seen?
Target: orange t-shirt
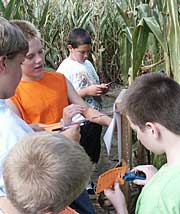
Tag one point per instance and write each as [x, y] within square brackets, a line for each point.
[42, 101]
[68, 210]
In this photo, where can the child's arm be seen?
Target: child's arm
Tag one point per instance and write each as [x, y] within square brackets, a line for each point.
[94, 90]
[117, 198]
[70, 111]
[7, 207]
[37, 127]
[89, 113]
[73, 133]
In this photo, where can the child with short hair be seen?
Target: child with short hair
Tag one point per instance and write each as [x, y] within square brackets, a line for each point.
[44, 97]
[152, 106]
[45, 172]
[13, 47]
[81, 73]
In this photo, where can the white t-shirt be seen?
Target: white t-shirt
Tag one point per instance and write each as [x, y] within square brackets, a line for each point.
[12, 129]
[81, 75]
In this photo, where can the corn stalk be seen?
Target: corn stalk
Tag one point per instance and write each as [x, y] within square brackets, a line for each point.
[128, 36]
[173, 39]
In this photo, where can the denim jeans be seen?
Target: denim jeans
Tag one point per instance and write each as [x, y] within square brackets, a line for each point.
[82, 204]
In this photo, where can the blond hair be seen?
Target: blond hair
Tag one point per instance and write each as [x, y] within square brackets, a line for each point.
[12, 40]
[29, 30]
[45, 172]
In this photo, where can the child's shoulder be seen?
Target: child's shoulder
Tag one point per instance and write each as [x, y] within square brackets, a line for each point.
[68, 66]
[53, 74]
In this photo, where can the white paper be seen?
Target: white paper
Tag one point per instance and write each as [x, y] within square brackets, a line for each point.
[110, 130]
[108, 136]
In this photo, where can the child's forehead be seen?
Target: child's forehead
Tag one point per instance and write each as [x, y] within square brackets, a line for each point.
[84, 47]
[35, 43]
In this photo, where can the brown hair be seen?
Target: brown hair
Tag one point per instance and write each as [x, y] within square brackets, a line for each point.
[29, 30]
[153, 97]
[12, 40]
[79, 36]
[45, 172]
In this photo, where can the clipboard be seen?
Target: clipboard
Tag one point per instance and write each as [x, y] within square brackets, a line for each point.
[107, 179]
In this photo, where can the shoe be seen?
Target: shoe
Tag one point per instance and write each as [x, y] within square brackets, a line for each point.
[91, 188]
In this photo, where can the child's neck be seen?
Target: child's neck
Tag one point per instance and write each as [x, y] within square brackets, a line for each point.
[28, 78]
[173, 150]
[72, 58]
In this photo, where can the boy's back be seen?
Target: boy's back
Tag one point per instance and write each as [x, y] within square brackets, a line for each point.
[12, 128]
[161, 194]
[152, 106]
[13, 47]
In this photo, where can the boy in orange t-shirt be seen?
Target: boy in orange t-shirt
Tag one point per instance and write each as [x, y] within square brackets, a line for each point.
[44, 97]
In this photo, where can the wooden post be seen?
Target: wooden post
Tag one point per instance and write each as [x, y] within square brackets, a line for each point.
[126, 154]
[126, 147]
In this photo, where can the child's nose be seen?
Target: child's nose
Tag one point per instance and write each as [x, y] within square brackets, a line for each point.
[86, 55]
[39, 58]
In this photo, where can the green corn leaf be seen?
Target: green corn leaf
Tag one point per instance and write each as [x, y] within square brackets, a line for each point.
[128, 34]
[84, 20]
[9, 9]
[140, 37]
[125, 57]
[44, 14]
[2, 8]
[156, 30]
[122, 14]
[173, 39]
[143, 10]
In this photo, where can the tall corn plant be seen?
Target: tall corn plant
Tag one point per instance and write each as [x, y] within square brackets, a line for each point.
[128, 36]
[173, 39]
[163, 24]
[56, 18]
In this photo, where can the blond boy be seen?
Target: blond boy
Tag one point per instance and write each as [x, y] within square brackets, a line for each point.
[49, 171]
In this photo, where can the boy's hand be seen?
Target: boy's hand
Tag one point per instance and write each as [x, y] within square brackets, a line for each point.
[117, 198]
[94, 90]
[149, 171]
[70, 111]
[105, 87]
[73, 133]
[36, 127]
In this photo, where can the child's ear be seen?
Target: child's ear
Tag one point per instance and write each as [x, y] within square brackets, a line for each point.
[2, 64]
[70, 47]
[153, 129]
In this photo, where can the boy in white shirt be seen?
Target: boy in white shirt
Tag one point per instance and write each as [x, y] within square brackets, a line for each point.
[81, 73]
